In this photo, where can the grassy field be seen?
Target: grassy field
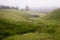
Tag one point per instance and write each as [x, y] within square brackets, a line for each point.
[16, 22]
[30, 36]
[22, 25]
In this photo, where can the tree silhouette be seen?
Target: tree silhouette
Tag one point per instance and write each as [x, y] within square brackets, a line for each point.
[27, 8]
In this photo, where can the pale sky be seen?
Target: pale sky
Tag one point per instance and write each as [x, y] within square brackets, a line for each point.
[31, 3]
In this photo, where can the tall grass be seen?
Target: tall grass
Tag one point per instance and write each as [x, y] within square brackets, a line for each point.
[46, 29]
[19, 27]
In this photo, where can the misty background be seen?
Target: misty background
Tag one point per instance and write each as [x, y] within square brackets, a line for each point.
[34, 5]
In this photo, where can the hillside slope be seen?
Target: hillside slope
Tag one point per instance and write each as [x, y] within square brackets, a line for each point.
[49, 29]
[14, 22]
[54, 15]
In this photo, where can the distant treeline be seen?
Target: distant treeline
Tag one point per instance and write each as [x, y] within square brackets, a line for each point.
[7, 7]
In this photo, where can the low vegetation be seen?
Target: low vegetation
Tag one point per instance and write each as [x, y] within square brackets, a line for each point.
[19, 26]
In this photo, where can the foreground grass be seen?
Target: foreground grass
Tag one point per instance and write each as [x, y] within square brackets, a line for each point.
[30, 36]
[47, 28]
[14, 22]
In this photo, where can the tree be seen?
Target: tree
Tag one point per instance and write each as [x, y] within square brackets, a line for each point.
[27, 8]
[22, 9]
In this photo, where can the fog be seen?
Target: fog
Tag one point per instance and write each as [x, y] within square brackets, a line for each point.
[31, 3]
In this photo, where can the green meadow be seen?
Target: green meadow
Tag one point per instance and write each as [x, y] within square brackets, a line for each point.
[27, 25]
